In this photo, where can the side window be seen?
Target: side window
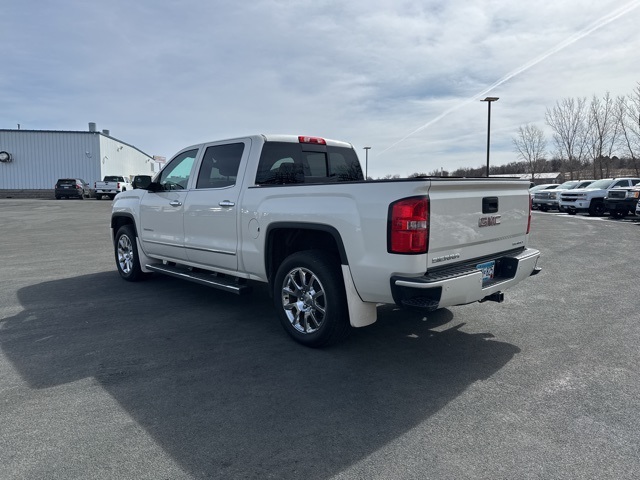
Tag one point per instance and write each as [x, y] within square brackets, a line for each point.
[220, 166]
[621, 183]
[635, 181]
[175, 176]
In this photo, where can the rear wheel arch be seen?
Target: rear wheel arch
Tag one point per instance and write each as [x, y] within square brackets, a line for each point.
[283, 239]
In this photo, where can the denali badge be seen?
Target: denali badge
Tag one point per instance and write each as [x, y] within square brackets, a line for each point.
[444, 258]
[489, 221]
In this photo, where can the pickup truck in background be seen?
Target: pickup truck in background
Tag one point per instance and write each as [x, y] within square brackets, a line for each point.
[111, 185]
[295, 212]
[548, 199]
[622, 201]
[536, 188]
[591, 199]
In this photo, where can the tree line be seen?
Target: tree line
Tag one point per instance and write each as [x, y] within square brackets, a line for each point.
[593, 138]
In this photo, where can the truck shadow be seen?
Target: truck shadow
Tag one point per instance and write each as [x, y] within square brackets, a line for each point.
[219, 386]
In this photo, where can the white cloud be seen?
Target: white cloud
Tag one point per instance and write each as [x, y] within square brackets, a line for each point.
[164, 75]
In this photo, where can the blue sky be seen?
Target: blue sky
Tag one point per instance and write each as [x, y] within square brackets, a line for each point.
[404, 77]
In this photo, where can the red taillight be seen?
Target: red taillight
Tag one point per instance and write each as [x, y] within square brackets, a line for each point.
[408, 227]
[118, 187]
[78, 187]
[314, 140]
[529, 222]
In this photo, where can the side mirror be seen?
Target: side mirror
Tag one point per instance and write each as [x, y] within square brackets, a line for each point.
[141, 181]
[154, 187]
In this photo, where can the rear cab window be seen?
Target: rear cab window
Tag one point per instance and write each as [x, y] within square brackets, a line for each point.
[284, 163]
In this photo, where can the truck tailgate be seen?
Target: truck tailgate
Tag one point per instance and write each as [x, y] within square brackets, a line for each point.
[471, 219]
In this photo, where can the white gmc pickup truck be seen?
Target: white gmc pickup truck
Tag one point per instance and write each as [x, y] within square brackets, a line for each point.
[295, 212]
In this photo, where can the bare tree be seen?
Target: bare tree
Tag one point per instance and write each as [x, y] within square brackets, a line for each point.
[433, 173]
[602, 133]
[568, 119]
[531, 145]
[628, 114]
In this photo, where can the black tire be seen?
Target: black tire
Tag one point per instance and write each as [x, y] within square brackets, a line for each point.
[98, 196]
[126, 254]
[596, 209]
[112, 197]
[82, 195]
[57, 197]
[312, 277]
[571, 211]
[544, 208]
[617, 213]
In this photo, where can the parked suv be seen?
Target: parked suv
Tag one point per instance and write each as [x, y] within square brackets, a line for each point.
[72, 188]
[591, 199]
[547, 199]
[622, 201]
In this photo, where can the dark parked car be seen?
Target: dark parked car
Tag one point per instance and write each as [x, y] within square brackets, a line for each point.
[622, 201]
[72, 188]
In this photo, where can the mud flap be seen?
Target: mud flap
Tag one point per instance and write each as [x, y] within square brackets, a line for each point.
[361, 313]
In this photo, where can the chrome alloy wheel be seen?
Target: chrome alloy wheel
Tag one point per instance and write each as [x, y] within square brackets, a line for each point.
[125, 254]
[303, 300]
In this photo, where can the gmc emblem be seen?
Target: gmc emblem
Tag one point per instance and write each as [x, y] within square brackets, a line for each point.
[489, 221]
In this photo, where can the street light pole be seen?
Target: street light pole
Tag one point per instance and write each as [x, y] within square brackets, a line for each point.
[366, 162]
[489, 100]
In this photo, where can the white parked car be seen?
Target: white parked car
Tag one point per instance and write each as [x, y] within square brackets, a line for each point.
[548, 199]
[537, 188]
[591, 199]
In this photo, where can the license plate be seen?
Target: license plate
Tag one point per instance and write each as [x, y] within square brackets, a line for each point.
[487, 269]
[65, 186]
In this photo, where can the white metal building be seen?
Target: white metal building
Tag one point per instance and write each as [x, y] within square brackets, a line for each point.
[35, 159]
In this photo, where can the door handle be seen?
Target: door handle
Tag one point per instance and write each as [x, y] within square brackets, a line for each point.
[175, 203]
[226, 203]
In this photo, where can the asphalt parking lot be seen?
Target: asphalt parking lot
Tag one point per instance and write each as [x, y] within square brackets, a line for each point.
[164, 379]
